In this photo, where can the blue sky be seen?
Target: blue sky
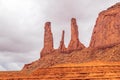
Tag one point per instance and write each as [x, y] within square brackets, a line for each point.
[22, 26]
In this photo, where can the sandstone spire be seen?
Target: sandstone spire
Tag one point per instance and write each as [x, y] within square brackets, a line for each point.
[106, 32]
[74, 44]
[48, 40]
[62, 47]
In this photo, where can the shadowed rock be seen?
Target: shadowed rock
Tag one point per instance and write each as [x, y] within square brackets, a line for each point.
[74, 44]
[48, 40]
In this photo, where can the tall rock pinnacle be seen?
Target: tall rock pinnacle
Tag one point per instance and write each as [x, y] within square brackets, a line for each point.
[62, 47]
[106, 32]
[48, 40]
[74, 44]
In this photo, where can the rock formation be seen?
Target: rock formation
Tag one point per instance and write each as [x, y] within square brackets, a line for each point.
[74, 44]
[106, 35]
[87, 64]
[62, 47]
[106, 32]
[48, 40]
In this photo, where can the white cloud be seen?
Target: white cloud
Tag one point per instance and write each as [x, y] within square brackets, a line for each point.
[11, 66]
[2, 68]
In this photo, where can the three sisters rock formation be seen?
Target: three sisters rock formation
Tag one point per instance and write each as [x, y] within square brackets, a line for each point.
[74, 44]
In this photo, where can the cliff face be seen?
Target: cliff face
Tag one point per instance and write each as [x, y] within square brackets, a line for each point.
[106, 32]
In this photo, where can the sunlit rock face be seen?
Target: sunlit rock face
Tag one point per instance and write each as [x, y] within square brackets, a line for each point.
[74, 44]
[106, 32]
[48, 40]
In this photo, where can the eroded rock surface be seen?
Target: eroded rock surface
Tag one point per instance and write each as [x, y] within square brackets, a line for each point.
[48, 40]
[74, 44]
[106, 32]
[62, 47]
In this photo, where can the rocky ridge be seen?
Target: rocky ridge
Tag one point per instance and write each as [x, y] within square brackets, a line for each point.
[104, 43]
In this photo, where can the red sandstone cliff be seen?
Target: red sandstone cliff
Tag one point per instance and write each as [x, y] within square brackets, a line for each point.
[106, 32]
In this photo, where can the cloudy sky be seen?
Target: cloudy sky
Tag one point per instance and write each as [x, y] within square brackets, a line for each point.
[22, 26]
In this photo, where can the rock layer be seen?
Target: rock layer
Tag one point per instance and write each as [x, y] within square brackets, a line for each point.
[94, 70]
[106, 32]
[74, 44]
[48, 40]
[62, 47]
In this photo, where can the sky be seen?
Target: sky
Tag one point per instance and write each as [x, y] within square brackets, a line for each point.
[22, 26]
